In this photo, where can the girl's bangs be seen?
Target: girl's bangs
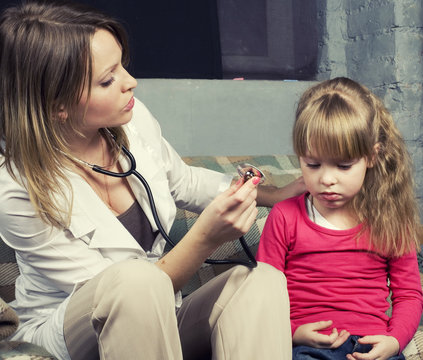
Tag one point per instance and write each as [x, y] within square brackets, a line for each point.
[332, 134]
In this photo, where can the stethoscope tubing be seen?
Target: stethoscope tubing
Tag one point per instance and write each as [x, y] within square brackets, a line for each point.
[251, 263]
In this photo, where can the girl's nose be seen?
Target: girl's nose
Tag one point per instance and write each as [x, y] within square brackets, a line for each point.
[327, 177]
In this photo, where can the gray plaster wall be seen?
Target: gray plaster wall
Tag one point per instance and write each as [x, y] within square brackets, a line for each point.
[223, 117]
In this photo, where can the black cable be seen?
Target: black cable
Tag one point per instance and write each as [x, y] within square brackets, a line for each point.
[252, 263]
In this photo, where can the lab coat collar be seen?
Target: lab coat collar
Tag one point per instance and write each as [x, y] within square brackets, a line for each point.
[95, 223]
[148, 165]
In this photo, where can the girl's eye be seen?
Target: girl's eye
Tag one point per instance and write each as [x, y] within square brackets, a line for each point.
[313, 165]
[108, 82]
[344, 166]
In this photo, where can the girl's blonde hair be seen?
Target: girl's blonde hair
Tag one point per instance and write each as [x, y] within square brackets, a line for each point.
[341, 119]
[45, 63]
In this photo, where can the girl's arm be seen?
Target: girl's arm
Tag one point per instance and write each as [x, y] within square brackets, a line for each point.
[274, 241]
[407, 300]
[407, 305]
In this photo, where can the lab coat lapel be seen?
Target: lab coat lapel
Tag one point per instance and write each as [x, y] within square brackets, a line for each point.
[149, 166]
[94, 222]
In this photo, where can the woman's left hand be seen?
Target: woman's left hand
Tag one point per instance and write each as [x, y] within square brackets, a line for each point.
[270, 195]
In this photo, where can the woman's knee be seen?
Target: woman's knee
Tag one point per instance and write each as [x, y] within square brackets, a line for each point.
[264, 279]
[270, 273]
[137, 278]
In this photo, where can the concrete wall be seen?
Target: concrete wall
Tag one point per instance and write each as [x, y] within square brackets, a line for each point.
[224, 117]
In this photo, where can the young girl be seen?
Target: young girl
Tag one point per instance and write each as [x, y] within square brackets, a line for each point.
[94, 281]
[352, 238]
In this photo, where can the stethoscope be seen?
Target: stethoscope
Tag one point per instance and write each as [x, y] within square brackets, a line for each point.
[252, 171]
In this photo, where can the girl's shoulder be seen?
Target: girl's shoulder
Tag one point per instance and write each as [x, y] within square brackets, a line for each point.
[293, 204]
[290, 209]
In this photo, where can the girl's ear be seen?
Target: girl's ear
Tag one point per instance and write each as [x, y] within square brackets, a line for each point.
[372, 161]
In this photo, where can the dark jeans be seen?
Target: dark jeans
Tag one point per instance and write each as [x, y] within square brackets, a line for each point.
[348, 347]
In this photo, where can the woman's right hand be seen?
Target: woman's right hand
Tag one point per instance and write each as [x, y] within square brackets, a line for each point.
[230, 215]
[226, 218]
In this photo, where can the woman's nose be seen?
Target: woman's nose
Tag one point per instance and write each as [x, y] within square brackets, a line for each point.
[130, 82]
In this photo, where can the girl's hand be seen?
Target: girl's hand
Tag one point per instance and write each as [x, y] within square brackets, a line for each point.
[384, 347]
[229, 215]
[307, 334]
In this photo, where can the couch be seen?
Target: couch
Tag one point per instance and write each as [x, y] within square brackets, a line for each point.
[279, 170]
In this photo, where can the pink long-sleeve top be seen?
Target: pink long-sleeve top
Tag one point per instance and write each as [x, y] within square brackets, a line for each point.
[332, 276]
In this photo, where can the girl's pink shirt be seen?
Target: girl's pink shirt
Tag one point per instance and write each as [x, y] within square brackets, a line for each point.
[332, 276]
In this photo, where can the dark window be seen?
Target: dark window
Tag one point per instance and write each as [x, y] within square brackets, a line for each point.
[268, 39]
[213, 39]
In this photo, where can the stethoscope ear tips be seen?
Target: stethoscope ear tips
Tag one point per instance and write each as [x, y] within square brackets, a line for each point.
[248, 171]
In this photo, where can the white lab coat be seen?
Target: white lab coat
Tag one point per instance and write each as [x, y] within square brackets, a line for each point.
[53, 261]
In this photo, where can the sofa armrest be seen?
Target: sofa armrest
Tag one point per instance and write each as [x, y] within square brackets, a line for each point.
[414, 350]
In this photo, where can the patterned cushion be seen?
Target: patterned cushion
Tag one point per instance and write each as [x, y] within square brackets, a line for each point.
[18, 350]
[9, 272]
[279, 170]
[414, 350]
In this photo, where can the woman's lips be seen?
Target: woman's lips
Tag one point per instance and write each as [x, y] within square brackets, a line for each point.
[130, 104]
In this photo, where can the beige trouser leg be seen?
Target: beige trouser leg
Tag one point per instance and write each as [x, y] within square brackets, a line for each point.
[130, 308]
[241, 314]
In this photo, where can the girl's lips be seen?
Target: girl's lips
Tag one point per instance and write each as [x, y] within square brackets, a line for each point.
[329, 196]
[130, 104]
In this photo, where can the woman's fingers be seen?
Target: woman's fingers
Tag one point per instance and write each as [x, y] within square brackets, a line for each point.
[242, 194]
[231, 214]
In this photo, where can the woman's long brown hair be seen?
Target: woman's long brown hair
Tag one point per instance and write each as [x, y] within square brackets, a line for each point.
[45, 63]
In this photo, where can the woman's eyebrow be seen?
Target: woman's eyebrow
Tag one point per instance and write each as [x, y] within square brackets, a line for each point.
[106, 71]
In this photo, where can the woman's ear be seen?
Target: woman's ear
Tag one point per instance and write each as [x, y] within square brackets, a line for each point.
[372, 161]
[61, 115]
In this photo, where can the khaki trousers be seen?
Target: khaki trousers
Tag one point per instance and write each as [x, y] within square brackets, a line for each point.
[128, 312]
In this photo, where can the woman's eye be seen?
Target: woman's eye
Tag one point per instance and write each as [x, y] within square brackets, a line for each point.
[108, 82]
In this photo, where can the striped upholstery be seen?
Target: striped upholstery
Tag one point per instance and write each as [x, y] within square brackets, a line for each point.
[8, 272]
[279, 171]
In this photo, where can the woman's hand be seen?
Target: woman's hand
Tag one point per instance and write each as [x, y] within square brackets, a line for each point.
[226, 218]
[229, 215]
[384, 347]
[308, 335]
[270, 195]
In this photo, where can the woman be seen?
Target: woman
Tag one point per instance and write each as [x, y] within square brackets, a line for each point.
[82, 239]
